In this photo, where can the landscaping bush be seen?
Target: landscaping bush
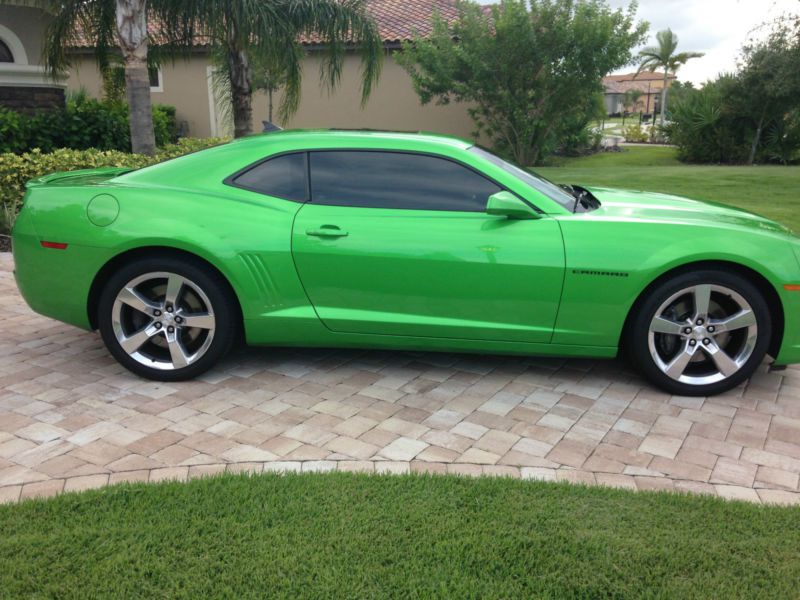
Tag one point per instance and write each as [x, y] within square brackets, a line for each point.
[635, 133]
[707, 124]
[530, 72]
[581, 142]
[751, 116]
[83, 123]
[17, 169]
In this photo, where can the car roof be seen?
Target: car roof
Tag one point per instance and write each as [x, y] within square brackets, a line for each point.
[312, 136]
[221, 161]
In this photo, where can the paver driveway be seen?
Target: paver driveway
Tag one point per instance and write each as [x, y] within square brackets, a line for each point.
[71, 418]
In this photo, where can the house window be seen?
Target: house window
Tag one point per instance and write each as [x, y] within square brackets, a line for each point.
[5, 53]
[156, 80]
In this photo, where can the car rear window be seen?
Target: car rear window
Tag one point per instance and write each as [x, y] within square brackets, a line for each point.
[284, 176]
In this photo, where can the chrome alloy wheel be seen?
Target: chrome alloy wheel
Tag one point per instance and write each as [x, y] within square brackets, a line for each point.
[702, 334]
[163, 320]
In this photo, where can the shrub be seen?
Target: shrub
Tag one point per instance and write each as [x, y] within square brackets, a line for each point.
[581, 142]
[82, 123]
[17, 169]
[751, 115]
[707, 125]
[635, 133]
[782, 139]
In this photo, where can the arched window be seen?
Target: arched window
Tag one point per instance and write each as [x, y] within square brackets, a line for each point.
[5, 53]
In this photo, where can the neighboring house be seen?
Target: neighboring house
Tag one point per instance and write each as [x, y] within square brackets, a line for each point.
[648, 82]
[187, 83]
[24, 84]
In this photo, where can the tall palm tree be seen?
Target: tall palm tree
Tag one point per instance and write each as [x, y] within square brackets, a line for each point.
[631, 100]
[108, 24]
[663, 56]
[271, 28]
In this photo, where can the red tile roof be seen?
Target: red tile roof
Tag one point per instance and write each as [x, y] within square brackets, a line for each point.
[643, 76]
[397, 20]
[619, 84]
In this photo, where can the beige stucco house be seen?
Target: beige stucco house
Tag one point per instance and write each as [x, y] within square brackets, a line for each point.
[187, 83]
[648, 83]
[24, 84]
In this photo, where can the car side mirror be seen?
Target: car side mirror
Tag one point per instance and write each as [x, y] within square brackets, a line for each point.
[506, 204]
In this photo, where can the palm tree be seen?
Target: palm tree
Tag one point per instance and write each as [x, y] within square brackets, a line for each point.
[630, 100]
[270, 28]
[108, 24]
[663, 56]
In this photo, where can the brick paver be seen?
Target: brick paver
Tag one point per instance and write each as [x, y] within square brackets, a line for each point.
[73, 419]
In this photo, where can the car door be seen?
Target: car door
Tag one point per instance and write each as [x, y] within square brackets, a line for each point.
[399, 243]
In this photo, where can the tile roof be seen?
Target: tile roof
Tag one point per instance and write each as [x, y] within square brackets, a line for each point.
[397, 20]
[643, 76]
[620, 87]
[619, 84]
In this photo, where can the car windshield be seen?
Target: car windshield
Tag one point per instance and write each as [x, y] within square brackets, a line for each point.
[538, 183]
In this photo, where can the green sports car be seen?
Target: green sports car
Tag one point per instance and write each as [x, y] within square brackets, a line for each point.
[405, 241]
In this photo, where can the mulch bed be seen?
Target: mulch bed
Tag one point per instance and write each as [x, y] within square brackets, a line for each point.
[5, 243]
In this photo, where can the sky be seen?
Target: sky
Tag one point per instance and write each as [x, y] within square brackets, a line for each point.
[716, 27]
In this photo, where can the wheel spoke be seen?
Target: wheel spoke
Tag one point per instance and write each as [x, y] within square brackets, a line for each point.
[702, 299]
[174, 288]
[132, 343]
[132, 298]
[199, 320]
[742, 319]
[662, 325]
[677, 366]
[176, 351]
[726, 365]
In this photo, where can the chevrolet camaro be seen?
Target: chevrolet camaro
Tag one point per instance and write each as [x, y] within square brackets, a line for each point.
[405, 241]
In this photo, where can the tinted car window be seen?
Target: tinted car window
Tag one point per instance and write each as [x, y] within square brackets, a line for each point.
[283, 177]
[537, 182]
[396, 180]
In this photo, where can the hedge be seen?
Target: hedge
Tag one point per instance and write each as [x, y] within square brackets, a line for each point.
[18, 169]
[83, 123]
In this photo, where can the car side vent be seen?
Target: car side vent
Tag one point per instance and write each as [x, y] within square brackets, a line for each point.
[263, 279]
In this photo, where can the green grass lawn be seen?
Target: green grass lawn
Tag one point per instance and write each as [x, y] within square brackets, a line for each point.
[772, 191]
[355, 536]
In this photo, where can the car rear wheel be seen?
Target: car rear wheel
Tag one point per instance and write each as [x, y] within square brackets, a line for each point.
[700, 333]
[167, 319]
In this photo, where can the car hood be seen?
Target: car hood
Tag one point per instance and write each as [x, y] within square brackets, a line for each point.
[652, 206]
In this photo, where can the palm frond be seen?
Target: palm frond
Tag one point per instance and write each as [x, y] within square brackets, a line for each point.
[271, 28]
[94, 18]
[340, 24]
[662, 56]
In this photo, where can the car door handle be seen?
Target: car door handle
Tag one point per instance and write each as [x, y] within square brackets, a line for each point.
[326, 231]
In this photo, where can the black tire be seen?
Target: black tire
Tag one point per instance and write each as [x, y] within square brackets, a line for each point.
[645, 353]
[223, 308]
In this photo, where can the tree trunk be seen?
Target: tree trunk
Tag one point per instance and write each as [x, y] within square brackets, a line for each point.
[751, 159]
[132, 36]
[137, 91]
[241, 92]
[664, 96]
[269, 93]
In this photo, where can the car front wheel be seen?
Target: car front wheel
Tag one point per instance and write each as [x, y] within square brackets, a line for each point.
[700, 333]
[167, 319]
